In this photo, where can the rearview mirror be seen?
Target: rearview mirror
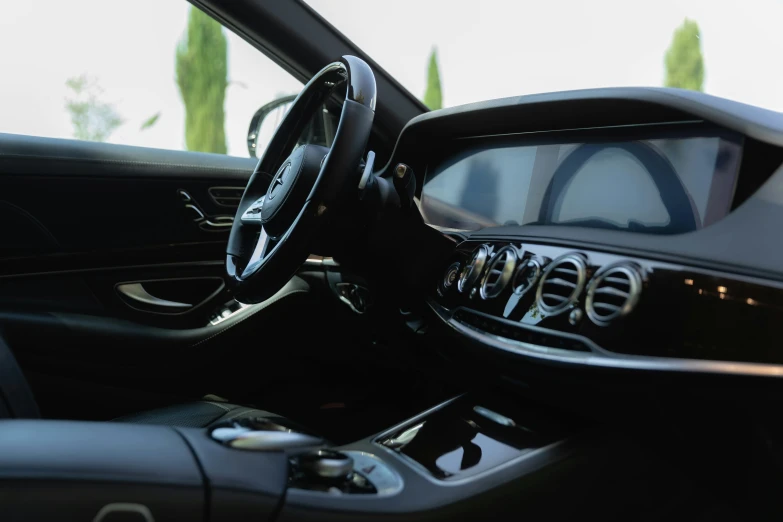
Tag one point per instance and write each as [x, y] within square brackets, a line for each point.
[264, 123]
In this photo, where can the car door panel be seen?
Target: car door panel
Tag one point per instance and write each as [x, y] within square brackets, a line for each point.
[92, 235]
[63, 196]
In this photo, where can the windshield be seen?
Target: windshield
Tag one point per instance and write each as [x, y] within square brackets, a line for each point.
[451, 52]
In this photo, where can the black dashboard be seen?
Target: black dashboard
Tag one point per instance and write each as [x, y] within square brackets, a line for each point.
[692, 296]
[588, 307]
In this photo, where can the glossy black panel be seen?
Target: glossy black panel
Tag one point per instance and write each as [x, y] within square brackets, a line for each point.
[681, 312]
[472, 435]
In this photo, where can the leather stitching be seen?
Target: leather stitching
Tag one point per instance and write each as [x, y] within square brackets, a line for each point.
[221, 406]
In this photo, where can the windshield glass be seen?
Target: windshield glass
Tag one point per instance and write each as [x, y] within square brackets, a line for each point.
[451, 52]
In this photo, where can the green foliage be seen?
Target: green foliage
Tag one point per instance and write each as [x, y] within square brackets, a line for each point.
[433, 98]
[92, 119]
[149, 122]
[684, 61]
[202, 68]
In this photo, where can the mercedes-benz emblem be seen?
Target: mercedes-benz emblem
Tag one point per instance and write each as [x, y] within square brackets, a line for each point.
[278, 182]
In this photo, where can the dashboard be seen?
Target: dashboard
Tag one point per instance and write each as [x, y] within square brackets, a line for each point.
[588, 307]
[631, 228]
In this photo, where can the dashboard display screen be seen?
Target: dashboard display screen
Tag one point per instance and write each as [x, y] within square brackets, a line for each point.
[666, 185]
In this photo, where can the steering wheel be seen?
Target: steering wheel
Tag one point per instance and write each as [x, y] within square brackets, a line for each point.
[277, 221]
[682, 212]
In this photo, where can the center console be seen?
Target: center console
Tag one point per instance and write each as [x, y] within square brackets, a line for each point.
[470, 455]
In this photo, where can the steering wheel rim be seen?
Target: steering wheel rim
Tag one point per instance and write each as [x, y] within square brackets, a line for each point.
[674, 196]
[280, 214]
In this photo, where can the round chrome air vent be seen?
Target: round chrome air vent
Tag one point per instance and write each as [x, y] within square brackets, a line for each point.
[613, 293]
[499, 272]
[472, 271]
[450, 276]
[526, 276]
[561, 283]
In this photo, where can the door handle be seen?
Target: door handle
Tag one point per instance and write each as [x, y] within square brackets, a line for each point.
[136, 292]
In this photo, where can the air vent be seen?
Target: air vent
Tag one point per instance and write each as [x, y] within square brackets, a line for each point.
[561, 283]
[526, 276]
[613, 293]
[472, 271]
[499, 272]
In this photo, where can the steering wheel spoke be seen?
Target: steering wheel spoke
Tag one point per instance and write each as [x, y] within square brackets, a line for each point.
[264, 246]
[253, 213]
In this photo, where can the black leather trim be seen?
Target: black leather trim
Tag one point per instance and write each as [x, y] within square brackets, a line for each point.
[33, 155]
[15, 394]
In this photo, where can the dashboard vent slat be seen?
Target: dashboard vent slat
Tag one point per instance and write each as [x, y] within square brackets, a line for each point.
[561, 284]
[499, 273]
[617, 280]
[613, 292]
[555, 297]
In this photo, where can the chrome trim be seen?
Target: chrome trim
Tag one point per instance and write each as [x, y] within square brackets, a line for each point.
[472, 271]
[141, 510]
[581, 278]
[197, 211]
[267, 440]
[494, 416]
[389, 484]
[631, 298]
[136, 292]
[320, 261]
[522, 268]
[329, 467]
[415, 418]
[506, 273]
[608, 359]
[454, 268]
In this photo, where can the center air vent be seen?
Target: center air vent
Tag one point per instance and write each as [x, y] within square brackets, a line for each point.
[561, 283]
[613, 293]
[499, 272]
[472, 271]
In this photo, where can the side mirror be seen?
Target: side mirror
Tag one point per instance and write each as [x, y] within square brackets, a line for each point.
[264, 123]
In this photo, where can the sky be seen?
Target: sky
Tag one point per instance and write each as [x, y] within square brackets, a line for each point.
[487, 49]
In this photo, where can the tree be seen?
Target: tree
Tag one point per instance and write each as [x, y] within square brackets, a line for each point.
[202, 68]
[684, 61]
[433, 98]
[92, 119]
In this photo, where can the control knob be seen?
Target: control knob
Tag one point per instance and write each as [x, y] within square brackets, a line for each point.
[326, 464]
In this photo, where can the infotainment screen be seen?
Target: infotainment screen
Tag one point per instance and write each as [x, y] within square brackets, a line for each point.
[659, 185]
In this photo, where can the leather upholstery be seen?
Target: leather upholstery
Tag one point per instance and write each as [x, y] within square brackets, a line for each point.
[194, 415]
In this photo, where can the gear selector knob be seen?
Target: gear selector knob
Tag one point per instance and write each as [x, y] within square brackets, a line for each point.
[326, 464]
